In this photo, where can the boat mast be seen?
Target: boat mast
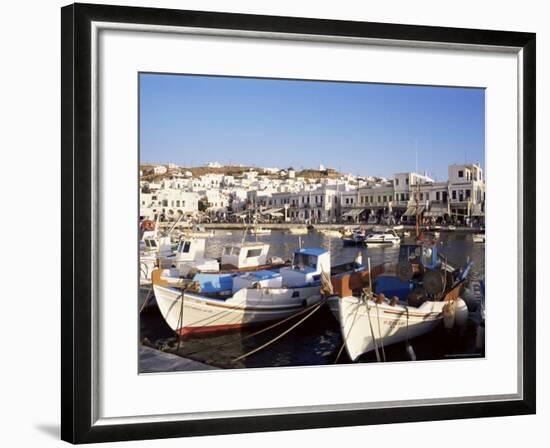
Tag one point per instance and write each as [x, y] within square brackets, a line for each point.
[417, 210]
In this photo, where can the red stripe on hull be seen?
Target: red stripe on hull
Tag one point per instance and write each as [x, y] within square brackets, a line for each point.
[185, 331]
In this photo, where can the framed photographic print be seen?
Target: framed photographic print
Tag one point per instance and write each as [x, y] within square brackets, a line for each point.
[275, 223]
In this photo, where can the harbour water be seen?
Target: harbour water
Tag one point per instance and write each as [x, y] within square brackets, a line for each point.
[317, 341]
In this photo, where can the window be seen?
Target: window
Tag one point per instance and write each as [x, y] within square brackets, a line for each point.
[230, 250]
[384, 199]
[427, 196]
[184, 247]
[407, 181]
[379, 198]
[461, 173]
[421, 196]
[454, 194]
[347, 200]
[468, 193]
[396, 181]
[437, 195]
[253, 253]
[302, 260]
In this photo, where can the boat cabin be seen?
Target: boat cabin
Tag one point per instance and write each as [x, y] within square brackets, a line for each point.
[307, 266]
[190, 249]
[246, 255]
[424, 254]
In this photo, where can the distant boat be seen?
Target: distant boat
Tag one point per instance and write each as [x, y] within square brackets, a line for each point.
[298, 230]
[478, 237]
[197, 232]
[398, 227]
[451, 228]
[356, 238]
[330, 233]
[384, 236]
[260, 231]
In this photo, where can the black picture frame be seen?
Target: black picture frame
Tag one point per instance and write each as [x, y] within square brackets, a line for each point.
[77, 424]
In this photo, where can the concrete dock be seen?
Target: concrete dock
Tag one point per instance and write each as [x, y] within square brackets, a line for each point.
[155, 361]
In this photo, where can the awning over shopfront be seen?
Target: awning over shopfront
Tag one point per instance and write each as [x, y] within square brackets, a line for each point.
[411, 211]
[435, 212]
[353, 213]
[272, 212]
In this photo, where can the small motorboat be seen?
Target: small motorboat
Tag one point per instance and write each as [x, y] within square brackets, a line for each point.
[382, 236]
[298, 230]
[478, 238]
[260, 231]
[197, 232]
[356, 238]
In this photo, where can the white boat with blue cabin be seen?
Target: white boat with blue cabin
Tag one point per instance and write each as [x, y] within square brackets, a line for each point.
[226, 301]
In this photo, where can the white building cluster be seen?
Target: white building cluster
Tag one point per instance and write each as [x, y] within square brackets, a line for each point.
[283, 196]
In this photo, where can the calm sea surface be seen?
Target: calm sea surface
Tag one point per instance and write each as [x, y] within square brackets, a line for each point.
[318, 341]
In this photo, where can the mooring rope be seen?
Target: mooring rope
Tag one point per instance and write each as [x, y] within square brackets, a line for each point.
[284, 333]
[147, 298]
[372, 332]
[263, 330]
[380, 331]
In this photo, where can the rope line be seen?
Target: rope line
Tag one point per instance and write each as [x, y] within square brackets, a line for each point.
[284, 333]
[263, 330]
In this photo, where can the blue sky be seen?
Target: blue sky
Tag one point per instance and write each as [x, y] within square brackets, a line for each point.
[369, 129]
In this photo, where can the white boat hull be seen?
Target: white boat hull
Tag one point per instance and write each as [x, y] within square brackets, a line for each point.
[389, 323]
[248, 306]
[298, 231]
[382, 241]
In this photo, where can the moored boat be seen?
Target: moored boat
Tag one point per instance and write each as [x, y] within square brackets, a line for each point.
[478, 237]
[260, 231]
[382, 236]
[356, 238]
[302, 230]
[424, 292]
[200, 305]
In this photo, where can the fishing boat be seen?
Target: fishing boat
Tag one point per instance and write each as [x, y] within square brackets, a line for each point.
[424, 292]
[382, 236]
[298, 230]
[478, 237]
[151, 246]
[260, 231]
[214, 302]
